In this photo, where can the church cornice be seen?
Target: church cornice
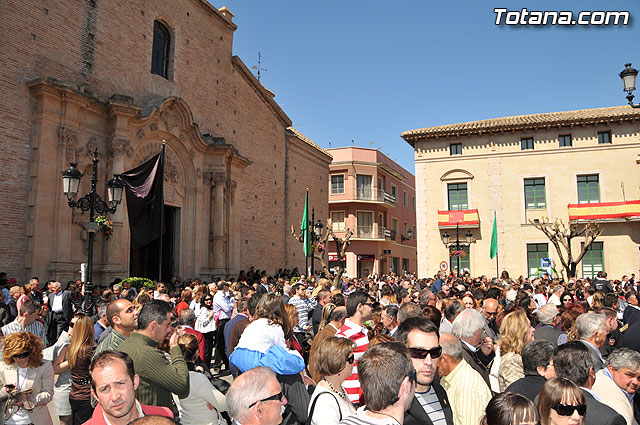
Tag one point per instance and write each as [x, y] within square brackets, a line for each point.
[264, 94]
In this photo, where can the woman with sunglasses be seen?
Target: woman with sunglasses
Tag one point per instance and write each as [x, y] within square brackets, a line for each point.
[561, 402]
[27, 381]
[206, 324]
[334, 361]
[78, 354]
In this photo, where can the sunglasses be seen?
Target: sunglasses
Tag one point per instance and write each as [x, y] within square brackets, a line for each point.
[421, 353]
[568, 409]
[278, 397]
[21, 355]
[351, 358]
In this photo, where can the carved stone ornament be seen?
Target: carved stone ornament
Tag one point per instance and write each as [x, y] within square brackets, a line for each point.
[153, 126]
[69, 139]
[170, 119]
[219, 177]
[120, 147]
[140, 133]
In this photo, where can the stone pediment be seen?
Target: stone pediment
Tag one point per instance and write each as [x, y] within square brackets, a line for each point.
[457, 174]
[171, 115]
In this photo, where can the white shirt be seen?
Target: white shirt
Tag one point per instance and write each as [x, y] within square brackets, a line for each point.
[57, 303]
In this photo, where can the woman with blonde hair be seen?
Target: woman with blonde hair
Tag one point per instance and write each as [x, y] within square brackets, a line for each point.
[204, 403]
[329, 403]
[27, 381]
[326, 312]
[196, 302]
[561, 402]
[78, 354]
[515, 332]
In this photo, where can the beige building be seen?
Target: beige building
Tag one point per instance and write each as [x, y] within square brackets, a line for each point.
[572, 165]
[375, 198]
[121, 78]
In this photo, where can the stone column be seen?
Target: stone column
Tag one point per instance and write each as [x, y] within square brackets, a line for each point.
[117, 255]
[218, 211]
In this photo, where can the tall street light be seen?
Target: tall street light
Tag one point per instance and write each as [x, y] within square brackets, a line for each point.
[316, 233]
[457, 244]
[628, 77]
[93, 203]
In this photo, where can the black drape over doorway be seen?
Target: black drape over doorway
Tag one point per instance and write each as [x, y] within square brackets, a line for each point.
[144, 262]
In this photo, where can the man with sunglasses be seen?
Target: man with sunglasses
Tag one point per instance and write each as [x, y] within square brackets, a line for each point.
[430, 405]
[255, 398]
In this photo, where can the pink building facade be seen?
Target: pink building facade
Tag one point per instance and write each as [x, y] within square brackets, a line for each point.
[375, 198]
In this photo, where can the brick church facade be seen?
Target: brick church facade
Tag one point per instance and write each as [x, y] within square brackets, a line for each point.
[122, 77]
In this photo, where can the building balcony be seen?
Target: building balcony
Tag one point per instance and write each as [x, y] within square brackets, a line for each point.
[448, 219]
[369, 195]
[370, 232]
[605, 211]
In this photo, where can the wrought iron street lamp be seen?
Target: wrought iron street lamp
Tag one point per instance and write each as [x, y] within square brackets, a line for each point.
[406, 238]
[92, 203]
[628, 77]
[457, 244]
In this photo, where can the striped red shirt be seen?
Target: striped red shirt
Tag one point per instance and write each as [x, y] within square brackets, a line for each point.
[357, 334]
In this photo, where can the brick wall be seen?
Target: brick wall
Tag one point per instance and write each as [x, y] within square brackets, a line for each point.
[104, 47]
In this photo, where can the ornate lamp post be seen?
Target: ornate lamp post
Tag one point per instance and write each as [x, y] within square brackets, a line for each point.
[406, 238]
[93, 203]
[628, 77]
[457, 244]
[316, 233]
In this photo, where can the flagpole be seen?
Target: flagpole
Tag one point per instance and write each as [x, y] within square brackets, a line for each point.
[161, 213]
[497, 267]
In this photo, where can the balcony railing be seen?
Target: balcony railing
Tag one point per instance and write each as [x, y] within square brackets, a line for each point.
[365, 194]
[605, 211]
[390, 234]
[370, 232]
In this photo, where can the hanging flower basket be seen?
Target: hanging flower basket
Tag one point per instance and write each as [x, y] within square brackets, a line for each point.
[317, 246]
[105, 226]
[460, 254]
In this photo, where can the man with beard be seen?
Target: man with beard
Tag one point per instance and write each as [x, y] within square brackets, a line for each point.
[430, 404]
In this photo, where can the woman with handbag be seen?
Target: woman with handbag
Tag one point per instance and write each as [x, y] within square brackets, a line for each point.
[329, 402]
[27, 381]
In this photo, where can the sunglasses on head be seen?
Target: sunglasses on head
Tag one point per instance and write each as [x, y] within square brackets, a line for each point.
[351, 358]
[273, 397]
[421, 353]
[568, 409]
[21, 355]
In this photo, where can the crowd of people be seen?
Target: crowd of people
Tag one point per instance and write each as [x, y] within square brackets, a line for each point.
[287, 348]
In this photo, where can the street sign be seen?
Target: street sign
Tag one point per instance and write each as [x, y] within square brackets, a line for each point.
[444, 266]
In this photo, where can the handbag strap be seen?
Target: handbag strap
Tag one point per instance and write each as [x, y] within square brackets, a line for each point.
[313, 405]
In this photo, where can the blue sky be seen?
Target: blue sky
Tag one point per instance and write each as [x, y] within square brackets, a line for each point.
[368, 70]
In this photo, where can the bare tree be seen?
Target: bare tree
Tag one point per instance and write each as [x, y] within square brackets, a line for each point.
[342, 243]
[560, 234]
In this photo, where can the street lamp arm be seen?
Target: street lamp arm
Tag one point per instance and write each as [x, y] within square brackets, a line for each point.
[84, 204]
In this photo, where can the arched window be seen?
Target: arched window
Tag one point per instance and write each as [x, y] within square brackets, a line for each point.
[160, 53]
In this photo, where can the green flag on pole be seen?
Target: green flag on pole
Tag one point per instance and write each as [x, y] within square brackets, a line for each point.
[494, 238]
[304, 228]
